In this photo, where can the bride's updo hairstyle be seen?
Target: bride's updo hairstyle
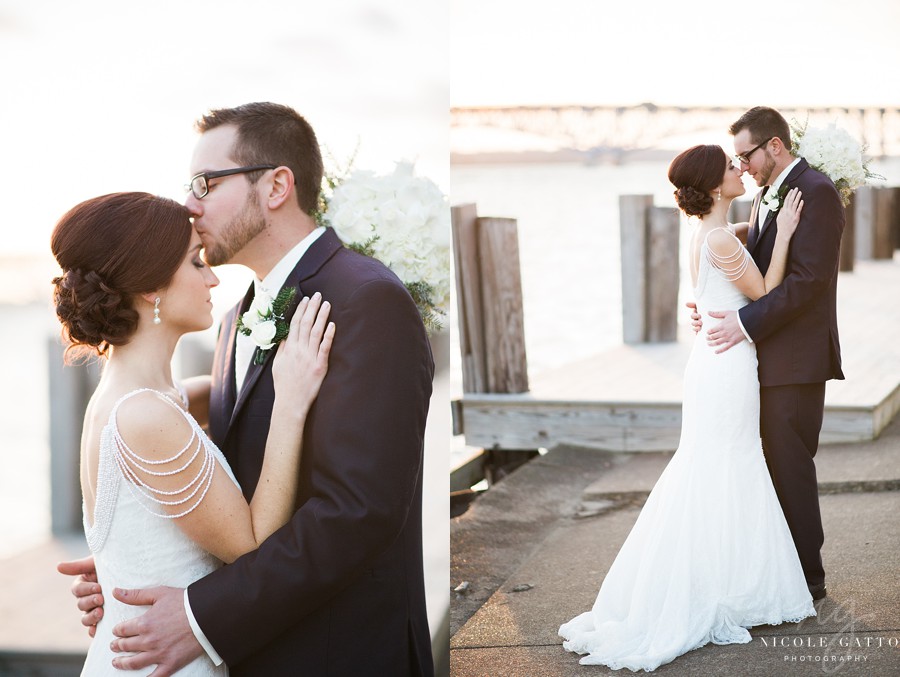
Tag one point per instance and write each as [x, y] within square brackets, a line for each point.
[695, 173]
[111, 249]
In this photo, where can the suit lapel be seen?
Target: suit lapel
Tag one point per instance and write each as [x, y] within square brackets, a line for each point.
[798, 169]
[310, 263]
[753, 233]
[769, 218]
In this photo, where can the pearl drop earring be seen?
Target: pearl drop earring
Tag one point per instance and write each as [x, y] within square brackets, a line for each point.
[719, 192]
[156, 319]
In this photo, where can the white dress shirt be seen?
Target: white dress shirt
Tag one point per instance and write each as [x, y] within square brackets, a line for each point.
[763, 213]
[272, 284]
[244, 346]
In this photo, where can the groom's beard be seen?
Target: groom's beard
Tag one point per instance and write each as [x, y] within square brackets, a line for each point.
[765, 174]
[236, 234]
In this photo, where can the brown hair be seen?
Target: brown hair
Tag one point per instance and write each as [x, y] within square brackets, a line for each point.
[269, 133]
[763, 123]
[694, 174]
[110, 249]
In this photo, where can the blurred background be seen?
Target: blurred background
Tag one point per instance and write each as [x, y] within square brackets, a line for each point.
[101, 96]
[556, 113]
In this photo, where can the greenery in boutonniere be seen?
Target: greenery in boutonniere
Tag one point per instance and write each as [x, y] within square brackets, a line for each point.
[774, 200]
[265, 323]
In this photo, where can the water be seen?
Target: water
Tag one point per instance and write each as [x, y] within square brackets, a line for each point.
[568, 224]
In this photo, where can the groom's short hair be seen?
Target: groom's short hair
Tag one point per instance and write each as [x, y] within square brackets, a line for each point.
[763, 123]
[270, 133]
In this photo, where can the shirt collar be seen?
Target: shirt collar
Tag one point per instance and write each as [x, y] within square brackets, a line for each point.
[776, 184]
[274, 281]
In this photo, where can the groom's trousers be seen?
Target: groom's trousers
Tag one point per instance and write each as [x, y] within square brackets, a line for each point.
[790, 422]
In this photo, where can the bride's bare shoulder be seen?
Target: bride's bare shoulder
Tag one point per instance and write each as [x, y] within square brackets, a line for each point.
[150, 422]
[722, 241]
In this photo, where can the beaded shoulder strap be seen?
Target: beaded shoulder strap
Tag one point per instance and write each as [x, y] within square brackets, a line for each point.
[732, 264]
[129, 462]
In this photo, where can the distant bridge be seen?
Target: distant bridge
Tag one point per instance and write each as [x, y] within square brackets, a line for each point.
[647, 126]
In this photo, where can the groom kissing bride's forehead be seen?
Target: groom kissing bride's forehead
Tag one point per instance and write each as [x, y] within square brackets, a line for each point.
[339, 589]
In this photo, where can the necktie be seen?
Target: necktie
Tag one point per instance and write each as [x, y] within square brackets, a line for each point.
[243, 349]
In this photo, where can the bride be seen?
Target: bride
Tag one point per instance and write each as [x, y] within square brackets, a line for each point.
[710, 554]
[161, 505]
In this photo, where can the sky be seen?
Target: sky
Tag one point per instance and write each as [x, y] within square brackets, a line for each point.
[700, 52]
[101, 95]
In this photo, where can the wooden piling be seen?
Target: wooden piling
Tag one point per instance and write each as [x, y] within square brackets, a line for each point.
[489, 301]
[504, 319]
[873, 216]
[71, 388]
[649, 245]
[848, 237]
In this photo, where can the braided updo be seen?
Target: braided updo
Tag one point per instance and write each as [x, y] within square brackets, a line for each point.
[112, 248]
[695, 173]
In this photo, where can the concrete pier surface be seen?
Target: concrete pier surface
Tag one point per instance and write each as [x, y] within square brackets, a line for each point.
[534, 549]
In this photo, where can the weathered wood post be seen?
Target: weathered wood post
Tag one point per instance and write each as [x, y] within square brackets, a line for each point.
[70, 389]
[489, 301]
[491, 322]
[873, 223]
[848, 237]
[501, 304]
[740, 211]
[649, 244]
[895, 216]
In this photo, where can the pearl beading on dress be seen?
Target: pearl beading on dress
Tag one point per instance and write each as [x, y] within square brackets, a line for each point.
[130, 462]
[732, 265]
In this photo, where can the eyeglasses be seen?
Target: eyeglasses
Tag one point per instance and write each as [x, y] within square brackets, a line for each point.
[199, 184]
[745, 157]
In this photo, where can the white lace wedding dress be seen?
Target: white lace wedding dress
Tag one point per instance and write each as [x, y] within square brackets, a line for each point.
[710, 554]
[134, 547]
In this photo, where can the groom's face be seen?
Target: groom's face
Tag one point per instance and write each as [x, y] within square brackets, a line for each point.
[228, 217]
[761, 164]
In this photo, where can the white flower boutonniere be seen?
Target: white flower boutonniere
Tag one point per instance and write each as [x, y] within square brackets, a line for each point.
[402, 220]
[265, 323]
[774, 199]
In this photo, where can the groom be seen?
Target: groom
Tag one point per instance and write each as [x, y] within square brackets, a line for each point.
[794, 325]
[339, 590]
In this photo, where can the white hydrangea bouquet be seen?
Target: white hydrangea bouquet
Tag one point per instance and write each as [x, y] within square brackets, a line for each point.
[835, 153]
[400, 219]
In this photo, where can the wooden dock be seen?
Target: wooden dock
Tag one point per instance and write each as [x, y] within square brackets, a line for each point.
[629, 398]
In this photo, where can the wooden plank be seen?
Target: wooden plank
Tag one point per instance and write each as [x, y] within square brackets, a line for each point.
[739, 211]
[848, 238]
[883, 240]
[663, 271]
[633, 234]
[629, 398]
[468, 285]
[502, 308]
[863, 220]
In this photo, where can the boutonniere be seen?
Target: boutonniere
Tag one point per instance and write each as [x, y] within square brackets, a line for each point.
[265, 321]
[774, 199]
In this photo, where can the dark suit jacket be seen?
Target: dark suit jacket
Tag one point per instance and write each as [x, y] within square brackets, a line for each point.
[339, 590]
[795, 325]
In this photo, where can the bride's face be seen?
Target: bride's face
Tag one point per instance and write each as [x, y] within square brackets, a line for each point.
[187, 304]
[732, 185]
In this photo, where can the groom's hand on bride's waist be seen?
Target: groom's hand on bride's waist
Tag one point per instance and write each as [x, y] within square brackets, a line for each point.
[161, 636]
[727, 333]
